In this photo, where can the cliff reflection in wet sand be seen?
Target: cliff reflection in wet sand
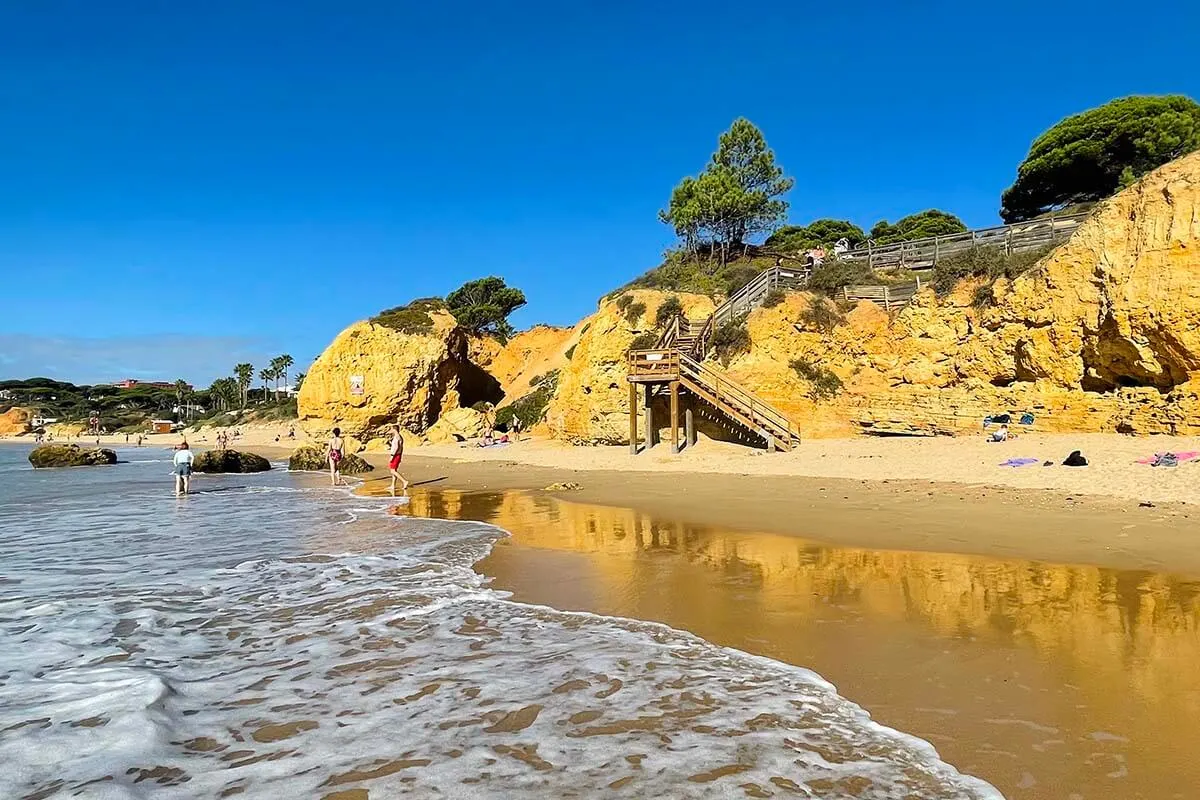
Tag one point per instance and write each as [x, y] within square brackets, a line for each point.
[1047, 680]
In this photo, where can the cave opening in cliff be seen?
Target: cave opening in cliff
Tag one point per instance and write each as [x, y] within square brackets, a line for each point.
[476, 385]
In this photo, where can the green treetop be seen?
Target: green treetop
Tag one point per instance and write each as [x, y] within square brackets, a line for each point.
[1091, 155]
[735, 197]
[917, 226]
[482, 306]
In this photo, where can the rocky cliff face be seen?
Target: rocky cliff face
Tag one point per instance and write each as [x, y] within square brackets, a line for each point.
[372, 376]
[591, 404]
[528, 355]
[15, 421]
[1103, 335]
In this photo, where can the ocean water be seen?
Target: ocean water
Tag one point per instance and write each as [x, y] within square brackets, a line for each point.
[271, 636]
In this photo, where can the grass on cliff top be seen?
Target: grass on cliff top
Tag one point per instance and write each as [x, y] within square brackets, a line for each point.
[701, 274]
[413, 318]
[983, 262]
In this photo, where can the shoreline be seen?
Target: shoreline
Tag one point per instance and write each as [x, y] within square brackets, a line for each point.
[779, 493]
[907, 516]
[909, 596]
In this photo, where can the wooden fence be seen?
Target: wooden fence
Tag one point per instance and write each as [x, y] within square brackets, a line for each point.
[892, 298]
[922, 254]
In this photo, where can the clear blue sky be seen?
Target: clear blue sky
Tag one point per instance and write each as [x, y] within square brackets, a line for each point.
[183, 185]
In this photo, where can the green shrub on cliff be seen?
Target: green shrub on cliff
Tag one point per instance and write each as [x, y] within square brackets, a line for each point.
[634, 312]
[774, 298]
[821, 315]
[823, 384]
[1092, 155]
[644, 341]
[731, 339]
[983, 262]
[530, 408]
[830, 276]
[413, 321]
[667, 309]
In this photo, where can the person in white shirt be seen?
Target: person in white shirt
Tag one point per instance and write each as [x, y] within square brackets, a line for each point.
[183, 469]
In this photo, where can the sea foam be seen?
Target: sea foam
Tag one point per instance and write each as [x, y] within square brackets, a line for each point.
[246, 640]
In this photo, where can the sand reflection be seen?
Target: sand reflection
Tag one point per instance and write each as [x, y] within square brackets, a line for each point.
[1044, 679]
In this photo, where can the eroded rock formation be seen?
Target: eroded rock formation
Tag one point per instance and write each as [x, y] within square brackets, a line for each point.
[15, 421]
[70, 455]
[217, 461]
[1103, 335]
[372, 376]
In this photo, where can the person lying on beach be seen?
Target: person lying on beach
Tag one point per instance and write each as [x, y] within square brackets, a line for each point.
[183, 469]
[1001, 434]
[336, 450]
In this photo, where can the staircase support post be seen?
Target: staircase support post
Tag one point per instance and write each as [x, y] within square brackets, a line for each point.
[674, 416]
[633, 398]
[689, 427]
[651, 432]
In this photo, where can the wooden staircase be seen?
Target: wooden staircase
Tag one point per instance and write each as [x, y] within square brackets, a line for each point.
[677, 362]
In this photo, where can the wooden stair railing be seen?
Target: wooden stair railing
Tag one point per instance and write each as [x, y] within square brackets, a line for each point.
[662, 366]
[729, 397]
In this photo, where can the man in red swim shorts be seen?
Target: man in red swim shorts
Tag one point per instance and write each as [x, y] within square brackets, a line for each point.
[397, 450]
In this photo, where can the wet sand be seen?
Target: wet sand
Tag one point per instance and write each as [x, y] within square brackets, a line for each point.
[1046, 645]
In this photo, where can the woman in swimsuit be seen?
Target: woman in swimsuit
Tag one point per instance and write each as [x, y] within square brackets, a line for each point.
[336, 448]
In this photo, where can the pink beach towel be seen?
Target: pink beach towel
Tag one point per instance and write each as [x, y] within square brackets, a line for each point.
[1189, 455]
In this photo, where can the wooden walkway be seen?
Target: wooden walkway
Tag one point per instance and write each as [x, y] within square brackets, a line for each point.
[891, 298]
[675, 364]
[923, 254]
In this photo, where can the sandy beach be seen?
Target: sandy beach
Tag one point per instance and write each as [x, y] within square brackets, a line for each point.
[1040, 640]
[1038, 625]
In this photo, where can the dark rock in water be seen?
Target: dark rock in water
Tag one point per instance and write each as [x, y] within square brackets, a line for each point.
[70, 455]
[311, 458]
[229, 461]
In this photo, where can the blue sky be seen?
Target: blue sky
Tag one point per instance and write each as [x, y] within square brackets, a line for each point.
[184, 185]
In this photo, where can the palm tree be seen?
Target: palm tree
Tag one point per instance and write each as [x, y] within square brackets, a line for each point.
[244, 374]
[276, 371]
[298, 381]
[285, 363]
[266, 375]
[181, 393]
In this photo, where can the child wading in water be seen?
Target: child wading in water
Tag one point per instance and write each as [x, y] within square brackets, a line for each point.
[397, 451]
[336, 448]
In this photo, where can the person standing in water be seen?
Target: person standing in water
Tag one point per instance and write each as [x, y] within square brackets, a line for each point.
[336, 451]
[396, 449]
[183, 469]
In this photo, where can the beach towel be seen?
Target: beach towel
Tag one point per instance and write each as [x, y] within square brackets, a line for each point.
[1018, 462]
[1187, 455]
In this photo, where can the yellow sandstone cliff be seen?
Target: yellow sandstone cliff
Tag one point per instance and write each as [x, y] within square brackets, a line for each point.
[15, 421]
[1103, 335]
[372, 376]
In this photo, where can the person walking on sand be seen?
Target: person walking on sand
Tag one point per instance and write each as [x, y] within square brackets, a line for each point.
[337, 449]
[183, 469]
[396, 449]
